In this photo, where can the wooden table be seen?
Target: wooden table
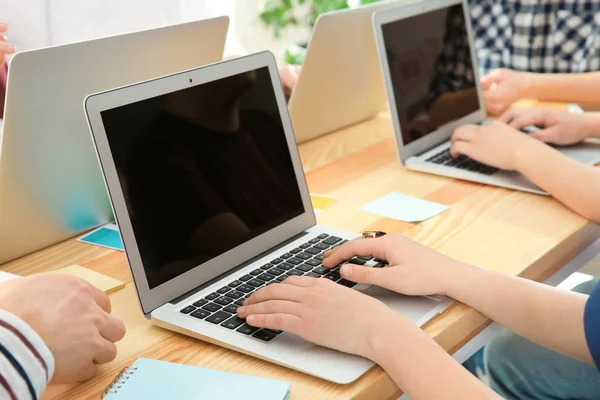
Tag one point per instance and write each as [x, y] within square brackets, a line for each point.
[513, 232]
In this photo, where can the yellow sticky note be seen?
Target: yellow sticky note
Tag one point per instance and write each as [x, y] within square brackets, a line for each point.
[321, 202]
[105, 283]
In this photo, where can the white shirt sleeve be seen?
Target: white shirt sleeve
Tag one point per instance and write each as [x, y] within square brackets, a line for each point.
[26, 363]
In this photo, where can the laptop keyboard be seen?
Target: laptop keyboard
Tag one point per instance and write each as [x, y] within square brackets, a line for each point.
[220, 307]
[462, 162]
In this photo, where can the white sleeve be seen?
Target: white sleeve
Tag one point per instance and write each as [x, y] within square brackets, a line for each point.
[201, 9]
[26, 363]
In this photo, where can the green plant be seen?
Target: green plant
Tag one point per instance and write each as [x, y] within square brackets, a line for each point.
[280, 14]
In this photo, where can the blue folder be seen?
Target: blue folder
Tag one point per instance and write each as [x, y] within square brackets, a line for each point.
[159, 380]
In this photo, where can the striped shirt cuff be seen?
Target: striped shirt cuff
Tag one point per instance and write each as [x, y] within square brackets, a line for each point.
[26, 363]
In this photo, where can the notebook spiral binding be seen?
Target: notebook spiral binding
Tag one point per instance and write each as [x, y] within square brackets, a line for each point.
[119, 381]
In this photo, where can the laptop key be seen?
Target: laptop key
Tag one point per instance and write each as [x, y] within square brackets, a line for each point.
[247, 330]
[188, 309]
[212, 307]
[313, 251]
[304, 256]
[233, 322]
[239, 302]
[305, 245]
[223, 300]
[313, 275]
[266, 277]
[357, 261]
[200, 314]
[285, 266]
[212, 296]
[245, 288]
[266, 266]
[323, 236]
[232, 308]
[287, 255]
[264, 335]
[321, 270]
[294, 272]
[246, 278]
[224, 290]
[331, 277]
[234, 294]
[332, 240]
[304, 268]
[275, 331]
[218, 317]
[314, 241]
[346, 283]
[235, 284]
[313, 262]
[277, 261]
[255, 283]
[276, 271]
[321, 246]
[256, 272]
[295, 261]
[379, 265]
[319, 257]
[296, 250]
[200, 303]
[282, 278]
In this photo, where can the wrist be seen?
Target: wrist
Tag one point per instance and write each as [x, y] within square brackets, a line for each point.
[592, 126]
[522, 154]
[532, 85]
[389, 337]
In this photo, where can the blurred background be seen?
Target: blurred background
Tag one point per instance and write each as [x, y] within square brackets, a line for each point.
[282, 26]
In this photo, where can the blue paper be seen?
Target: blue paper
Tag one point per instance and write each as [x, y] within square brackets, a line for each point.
[105, 237]
[159, 380]
[404, 208]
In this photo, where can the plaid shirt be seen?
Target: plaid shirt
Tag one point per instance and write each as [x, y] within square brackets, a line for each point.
[547, 36]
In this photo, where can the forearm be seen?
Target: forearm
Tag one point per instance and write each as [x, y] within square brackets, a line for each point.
[422, 369]
[574, 184]
[548, 316]
[26, 364]
[572, 88]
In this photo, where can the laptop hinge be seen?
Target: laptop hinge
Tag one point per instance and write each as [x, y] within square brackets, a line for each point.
[233, 270]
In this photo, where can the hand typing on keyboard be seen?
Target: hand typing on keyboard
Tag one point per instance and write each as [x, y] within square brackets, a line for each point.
[413, 270]
[497, 144]
[322, 312]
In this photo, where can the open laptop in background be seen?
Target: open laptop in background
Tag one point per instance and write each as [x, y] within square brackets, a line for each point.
[340, 83]
[51, 187]
[432, 82]
[212, 204]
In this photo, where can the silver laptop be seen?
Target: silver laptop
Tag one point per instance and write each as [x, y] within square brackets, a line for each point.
[432, 82]
[51, 186]
[340, 83]
[212, 205]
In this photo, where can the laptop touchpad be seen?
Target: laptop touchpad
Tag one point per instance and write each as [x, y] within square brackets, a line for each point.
[412, 307]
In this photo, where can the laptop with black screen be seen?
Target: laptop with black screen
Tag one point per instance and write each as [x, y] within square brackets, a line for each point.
[208, 190]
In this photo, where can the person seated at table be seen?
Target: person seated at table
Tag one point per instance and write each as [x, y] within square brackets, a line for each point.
[536, 49]
[344, 319]
[53, 327]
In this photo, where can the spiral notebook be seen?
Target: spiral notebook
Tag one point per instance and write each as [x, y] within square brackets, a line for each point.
[159, 380]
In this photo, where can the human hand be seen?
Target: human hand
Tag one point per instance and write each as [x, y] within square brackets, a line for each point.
[324, 313]
[72, 318]
[496, 144]
[502, 87]
[413, 270]
[289, 77]
[5, 48]
[559, 127]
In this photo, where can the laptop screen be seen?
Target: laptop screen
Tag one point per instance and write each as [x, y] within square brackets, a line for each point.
[203, 170]
[431, 70]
